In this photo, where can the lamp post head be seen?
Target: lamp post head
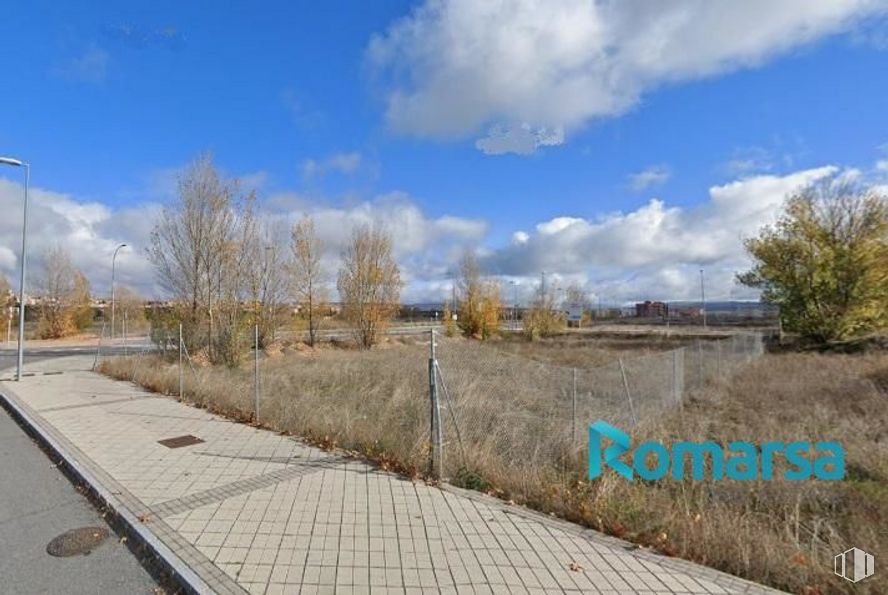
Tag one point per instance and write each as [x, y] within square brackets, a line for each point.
[11, 161]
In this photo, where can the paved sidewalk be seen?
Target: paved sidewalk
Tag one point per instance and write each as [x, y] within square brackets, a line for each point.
[250, 510]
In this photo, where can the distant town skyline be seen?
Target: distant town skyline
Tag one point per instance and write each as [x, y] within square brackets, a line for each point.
[622, 146]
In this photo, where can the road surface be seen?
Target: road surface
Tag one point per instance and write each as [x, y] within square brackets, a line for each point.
[37, 503]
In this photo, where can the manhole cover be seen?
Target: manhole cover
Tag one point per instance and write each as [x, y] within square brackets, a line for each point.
[180, 441]
[77, 541]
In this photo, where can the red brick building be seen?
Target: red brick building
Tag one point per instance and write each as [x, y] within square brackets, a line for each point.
[649, 309]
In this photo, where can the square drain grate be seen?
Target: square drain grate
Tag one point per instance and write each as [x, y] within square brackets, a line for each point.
[180, 441]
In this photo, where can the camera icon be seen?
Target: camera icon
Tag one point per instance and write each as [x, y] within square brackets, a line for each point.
[855, 565]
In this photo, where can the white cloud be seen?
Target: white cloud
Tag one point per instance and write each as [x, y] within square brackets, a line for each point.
[519, 139]
[654, 251]
[520, 237]
[344, 163]
[302, 116]
[91, 66]
[557, 225]
[882, 165]
[88, 230]
[660, 246]
[425, 247]
[253, 180]
[539, 70]
[750, 160]
[654, 175]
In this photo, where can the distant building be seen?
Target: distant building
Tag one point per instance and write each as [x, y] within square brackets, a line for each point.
[649, 309]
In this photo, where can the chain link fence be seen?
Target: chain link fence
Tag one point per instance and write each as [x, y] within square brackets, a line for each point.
[487, 409]
[498, 405]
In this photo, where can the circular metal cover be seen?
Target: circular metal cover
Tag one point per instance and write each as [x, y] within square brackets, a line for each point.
[77, 541]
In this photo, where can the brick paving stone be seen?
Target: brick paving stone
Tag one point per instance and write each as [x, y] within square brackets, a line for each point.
[264, 513]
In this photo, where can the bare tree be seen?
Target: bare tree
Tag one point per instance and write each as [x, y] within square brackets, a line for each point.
[306, 276]
[200, 248]
[369, 283]
[7, 305]
[576, 294]
[80, 302]
[65, 306]
[266, 276]
[130, 307]
[229, 274]
[543, 319]
[479, 300]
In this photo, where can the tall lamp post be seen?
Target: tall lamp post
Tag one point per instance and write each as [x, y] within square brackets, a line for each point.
[21, 328]
[113, 271]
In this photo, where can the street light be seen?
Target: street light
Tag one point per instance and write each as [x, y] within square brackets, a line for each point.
[113, 263]
[21, 329]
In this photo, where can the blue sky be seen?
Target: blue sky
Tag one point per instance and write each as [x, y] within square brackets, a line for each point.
[616, 127]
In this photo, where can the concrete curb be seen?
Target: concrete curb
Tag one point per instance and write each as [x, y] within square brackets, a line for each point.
[175, 569]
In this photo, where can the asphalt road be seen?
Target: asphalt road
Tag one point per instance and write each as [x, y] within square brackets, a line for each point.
[37, 503]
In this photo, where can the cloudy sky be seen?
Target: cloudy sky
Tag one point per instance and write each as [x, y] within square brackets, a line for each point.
[620, 144]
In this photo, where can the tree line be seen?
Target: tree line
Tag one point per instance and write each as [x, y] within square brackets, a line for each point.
[65, 304]
[229, 269]
[824, 263]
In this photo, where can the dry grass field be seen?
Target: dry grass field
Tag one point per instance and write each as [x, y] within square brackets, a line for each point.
[585, 351]
[519, 439]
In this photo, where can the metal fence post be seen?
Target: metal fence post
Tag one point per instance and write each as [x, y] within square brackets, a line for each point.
[181, 377]
[628, 394]
[124, 332]
[700, 360]
[678, 356]
[573, 415]
[435, 417]
[256, 370]
[99, 346]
